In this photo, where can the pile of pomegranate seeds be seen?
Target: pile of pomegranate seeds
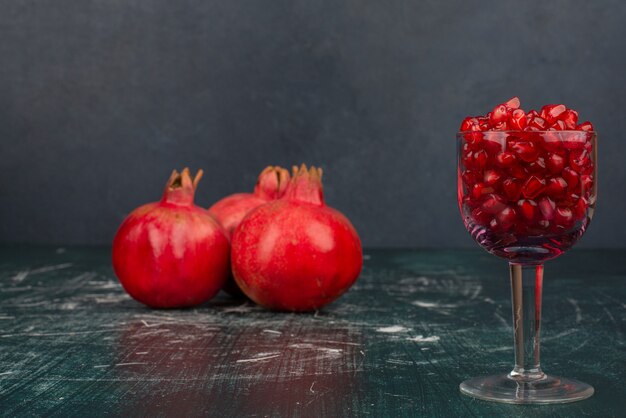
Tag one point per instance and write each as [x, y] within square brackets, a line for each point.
[527, 174]
[509, 117]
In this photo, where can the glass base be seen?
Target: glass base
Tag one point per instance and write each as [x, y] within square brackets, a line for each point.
[506, 389]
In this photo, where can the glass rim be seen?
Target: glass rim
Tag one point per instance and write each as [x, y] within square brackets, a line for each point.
[527, 132]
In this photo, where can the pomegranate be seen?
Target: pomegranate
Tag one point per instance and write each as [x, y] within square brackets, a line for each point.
[296, 253]
[229, 211]
[172, 254]
[270, 185]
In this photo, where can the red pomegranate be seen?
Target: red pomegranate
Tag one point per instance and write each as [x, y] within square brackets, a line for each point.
[296, 253]
[172, 254]
[230, 211]
[270, 185]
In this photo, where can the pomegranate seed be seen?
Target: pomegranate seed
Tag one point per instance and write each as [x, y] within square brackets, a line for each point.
[505, 159]
[559, 125]
[570, 118]
[513, 103]
[580, 209]
[579, 160]
[512, 189]
[537, 166]
[502, 126]
[483, 123]
[498, 115]
[557, 186]
[491, 177]
[480, 158]
[552, 112]
[494, 144]
[479, 189]
[552, 142]
[588, 169]
[555, 163]
[571, 177]
[539, 123]
[506, 218]
[469, 177]
[493, 204]
[532, 113]
[533, 187]
[546, 207]
[526, 151]
[518, 120]
[585, 126]
[518, 172]
[480, 217]
[563, 217]
[586, 182]
[528, 209]
[473, 139]
[468, 124]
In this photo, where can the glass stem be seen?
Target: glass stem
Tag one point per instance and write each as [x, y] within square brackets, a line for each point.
[526, 287]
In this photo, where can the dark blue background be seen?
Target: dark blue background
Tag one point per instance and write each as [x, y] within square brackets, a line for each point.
[101, 99]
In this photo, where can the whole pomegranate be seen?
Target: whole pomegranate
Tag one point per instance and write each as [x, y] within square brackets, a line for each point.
[230, 211]
[172, 254]
[296, 253]
[270, 185]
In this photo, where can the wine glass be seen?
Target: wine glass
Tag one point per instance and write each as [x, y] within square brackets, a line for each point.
[526, 197]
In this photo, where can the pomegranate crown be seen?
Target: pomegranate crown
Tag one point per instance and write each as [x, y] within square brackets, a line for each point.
[180, 188]
[272, 183]
[306, 185]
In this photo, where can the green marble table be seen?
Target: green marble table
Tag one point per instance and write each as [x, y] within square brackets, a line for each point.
[415, 325]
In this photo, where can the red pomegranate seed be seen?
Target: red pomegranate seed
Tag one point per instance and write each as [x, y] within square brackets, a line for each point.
[563, 217]
[469, 177]
[518, 172]
[526, 151]
[552, 112]
[512, 189]
[480, 217]
[469, 123]
[533, 187]
[528, 209]
[537, 166]
[570, 118]
[494, 144]
[483, 123]
[517, 120]
[580, 209]
[539, 123]
[546, 207]
[557, 186]
[586, 182]
[493, 204]
[585, 126]
[506, 218]
[491, 177]
[505, 159]
[473, 139]
[555, 163]
[532, 113]
[579, 160]
[571, 177]
[498, 115]
[480, 189]
[480, 158]
[512, 103]
[502, 126]
[559, 125]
